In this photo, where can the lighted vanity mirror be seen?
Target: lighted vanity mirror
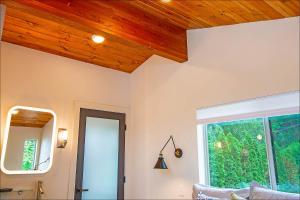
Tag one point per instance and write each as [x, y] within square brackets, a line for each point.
[28, 141]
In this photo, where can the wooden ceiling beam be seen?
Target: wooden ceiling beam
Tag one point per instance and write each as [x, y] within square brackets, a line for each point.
[119, 19]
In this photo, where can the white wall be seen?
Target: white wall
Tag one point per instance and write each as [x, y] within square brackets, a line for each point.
[45, 146]
[226, 64]
[15, 145]
[38, 79]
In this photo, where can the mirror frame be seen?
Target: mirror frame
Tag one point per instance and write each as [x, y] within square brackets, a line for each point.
[5, 140]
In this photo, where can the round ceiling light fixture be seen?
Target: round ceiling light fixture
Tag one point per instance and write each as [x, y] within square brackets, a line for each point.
[166, 1]
[98, 39]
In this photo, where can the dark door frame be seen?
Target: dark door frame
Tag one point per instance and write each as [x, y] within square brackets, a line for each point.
[84, 113]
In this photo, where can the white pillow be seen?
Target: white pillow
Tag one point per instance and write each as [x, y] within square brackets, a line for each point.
[259, 193]
[222, 193]
[205, 197]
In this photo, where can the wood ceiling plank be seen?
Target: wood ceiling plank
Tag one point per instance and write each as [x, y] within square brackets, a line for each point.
[71, 35]
[50, 44]
[106, 19]
[67, 47]
[232, 10]
[259, 10]
[68, 41]
[28, 118]
[192, 14]
[284, 7]
[219, 12]
[173, 12]
[191, 9]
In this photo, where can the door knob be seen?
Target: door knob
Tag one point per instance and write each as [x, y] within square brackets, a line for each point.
[81, 190]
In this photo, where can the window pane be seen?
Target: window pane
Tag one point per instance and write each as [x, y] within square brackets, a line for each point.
[237, 153]
[29, 154]
[285, 132]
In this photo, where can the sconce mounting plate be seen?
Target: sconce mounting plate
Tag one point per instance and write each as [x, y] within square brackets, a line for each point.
[178, 153]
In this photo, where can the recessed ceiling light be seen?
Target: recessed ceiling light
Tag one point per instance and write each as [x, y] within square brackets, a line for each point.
[98, 39]
[166, 1]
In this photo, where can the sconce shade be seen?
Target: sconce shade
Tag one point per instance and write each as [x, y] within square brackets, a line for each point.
[160, 164]
[62, 138]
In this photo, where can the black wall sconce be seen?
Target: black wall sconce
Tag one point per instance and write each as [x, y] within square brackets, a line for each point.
[161, 164]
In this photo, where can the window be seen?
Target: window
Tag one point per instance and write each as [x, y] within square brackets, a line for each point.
[255, 140]
[285, 134]
[238, 152]
[29, 154]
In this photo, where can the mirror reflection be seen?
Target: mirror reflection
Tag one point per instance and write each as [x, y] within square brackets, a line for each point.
[29, 141]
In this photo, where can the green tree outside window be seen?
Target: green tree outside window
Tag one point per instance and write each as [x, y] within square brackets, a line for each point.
[29, 152]
[285, 132]
[238, 152]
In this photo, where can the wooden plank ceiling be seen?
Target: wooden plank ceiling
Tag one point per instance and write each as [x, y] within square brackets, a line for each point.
[29, 118]
[134, 30]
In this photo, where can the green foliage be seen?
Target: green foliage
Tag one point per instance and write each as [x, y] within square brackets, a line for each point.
[286, 148]
[241, 157]
[29, 154]
[238, 155]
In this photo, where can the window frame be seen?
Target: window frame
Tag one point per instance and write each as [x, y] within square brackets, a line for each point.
[269, 149]
[206, 154]
[270, 154]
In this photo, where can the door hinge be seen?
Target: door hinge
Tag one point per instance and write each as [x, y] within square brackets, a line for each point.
[124, 179]
[125, 127]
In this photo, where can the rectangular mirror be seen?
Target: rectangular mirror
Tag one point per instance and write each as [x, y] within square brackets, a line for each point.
[28, 141]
